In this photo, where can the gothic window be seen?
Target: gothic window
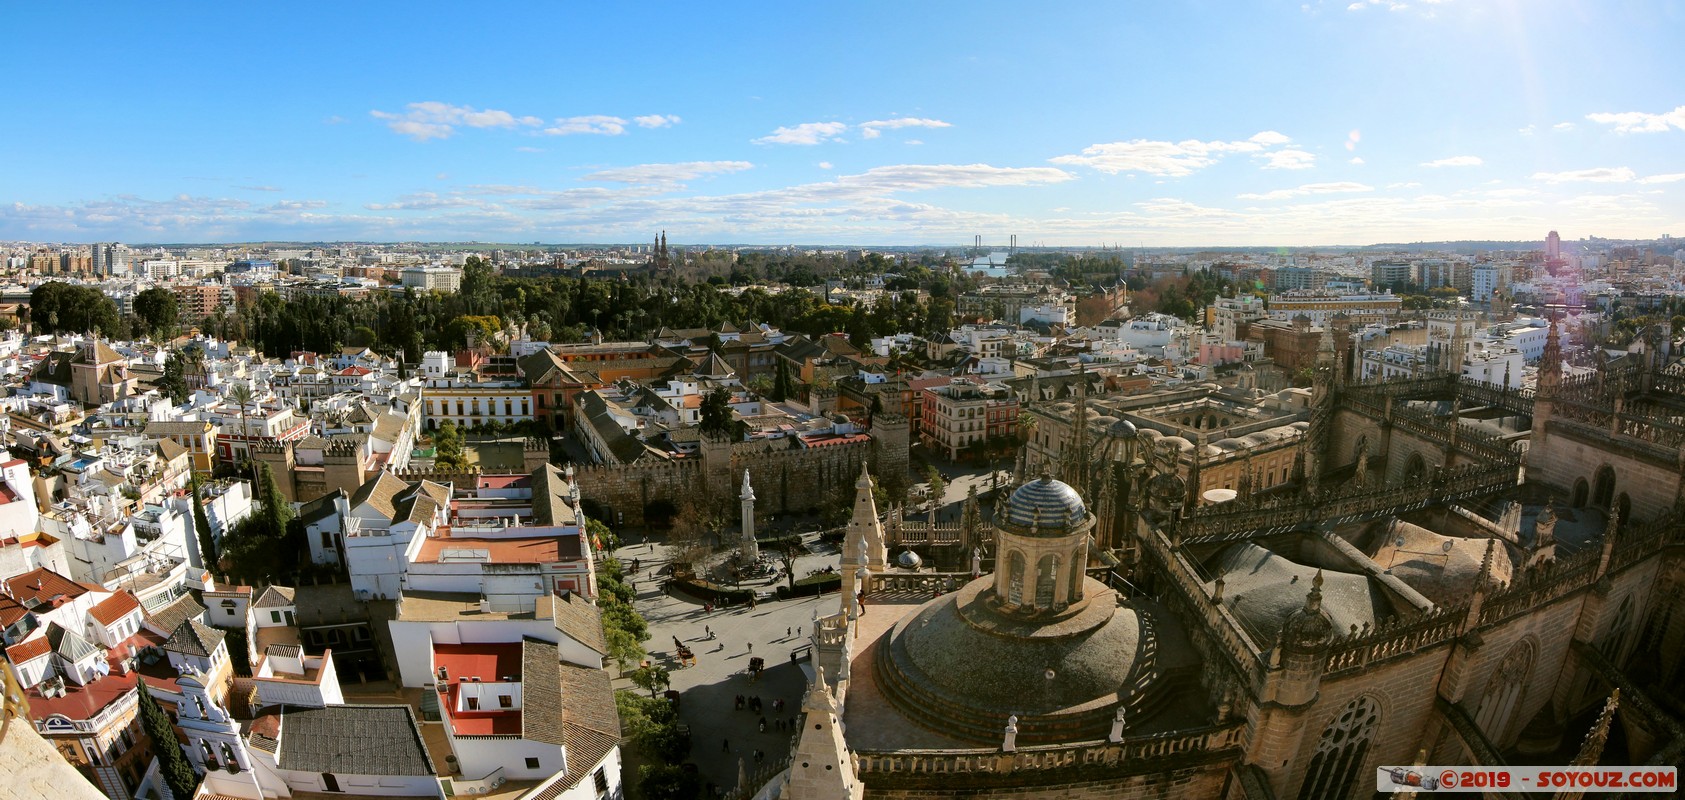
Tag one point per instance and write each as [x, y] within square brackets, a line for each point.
[1047, 577]
[1340, 752]
[1415, 469]
[1503, 693]
[1614, 642]
[1015, 580]
[1580, 492]
[1603, 492]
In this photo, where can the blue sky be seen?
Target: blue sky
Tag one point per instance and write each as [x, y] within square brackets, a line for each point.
[1081, 123]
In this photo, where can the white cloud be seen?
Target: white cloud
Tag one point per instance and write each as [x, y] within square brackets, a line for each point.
[1288, 159]
[656, 120]
[597, 124]
[875, 128]
[1641, 122]
[824, 165]
[1455, 161]
[1357, 160]
[1403, 185]
[1309, 189]
[914, 142]
[529, 149]
[423, 201]
[1671, 177]
[1529, 130]
[1562, 126]
[436, 120]
[1594, 175]
[260, 188]
[667, 173]
[1353, 138]
[805, 133]
[1174, 159]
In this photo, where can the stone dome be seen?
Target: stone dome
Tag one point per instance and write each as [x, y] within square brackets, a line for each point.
[1123, 429]
[959, 666]
[909, 560]
[1047, 504]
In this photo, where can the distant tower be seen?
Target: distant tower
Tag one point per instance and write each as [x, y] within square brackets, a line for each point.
[749, 548]
[1553, 246]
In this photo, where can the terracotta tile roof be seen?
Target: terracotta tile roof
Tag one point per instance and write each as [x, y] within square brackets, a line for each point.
[42, 586]
[28, 649]
[170, 617]
[113, 608]
[536, 550]
[578, 619]
[379, 493]
[10, 611]
[194, 638]
[276, 597]
[541, 694]
[590, 723]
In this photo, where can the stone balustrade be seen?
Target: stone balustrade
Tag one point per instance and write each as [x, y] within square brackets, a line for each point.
[1135, 753]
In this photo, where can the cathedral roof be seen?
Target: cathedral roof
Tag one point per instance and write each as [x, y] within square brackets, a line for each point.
[1263, 589]
[1047, 504]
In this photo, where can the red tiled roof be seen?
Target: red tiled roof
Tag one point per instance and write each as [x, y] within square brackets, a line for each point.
[85, 702]
[114, 607]
[28, 649]
[43, 585]
[353, 371]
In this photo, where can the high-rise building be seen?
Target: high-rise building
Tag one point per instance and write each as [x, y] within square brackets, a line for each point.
[1553, 246]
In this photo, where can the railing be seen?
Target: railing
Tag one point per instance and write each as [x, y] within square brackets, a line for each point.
[478, 786]
[754, 781]
[1359, 649]
[1540, 585]
[1140, 752]
[917, 582]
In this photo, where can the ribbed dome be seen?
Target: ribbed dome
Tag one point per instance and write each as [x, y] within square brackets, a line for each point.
[1047, 504]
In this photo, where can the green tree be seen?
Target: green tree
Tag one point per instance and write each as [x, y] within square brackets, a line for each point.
[716, 412]
[937, 487]
[157, 309]
[202, 526]
[173, 383]
[651, 678]
[56, 307]
[277, 512]
[172, 762]
[783, 388]
[667, 782]
[242, 394]
[448, 442]
[624, 648]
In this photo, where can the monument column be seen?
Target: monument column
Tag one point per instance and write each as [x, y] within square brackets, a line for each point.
[749, 549]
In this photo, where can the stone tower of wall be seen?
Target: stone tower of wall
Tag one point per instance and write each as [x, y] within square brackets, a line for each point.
[890, 443]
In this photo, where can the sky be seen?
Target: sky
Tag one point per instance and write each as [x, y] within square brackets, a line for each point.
[866, 123]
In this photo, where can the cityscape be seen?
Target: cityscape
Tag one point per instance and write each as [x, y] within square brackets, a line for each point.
[823, 404]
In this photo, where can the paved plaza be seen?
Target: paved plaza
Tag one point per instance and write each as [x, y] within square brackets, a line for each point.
[722, 736]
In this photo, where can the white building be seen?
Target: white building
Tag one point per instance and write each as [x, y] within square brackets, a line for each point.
[434, 278]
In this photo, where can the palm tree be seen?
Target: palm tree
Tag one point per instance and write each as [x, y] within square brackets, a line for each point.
[242, 394]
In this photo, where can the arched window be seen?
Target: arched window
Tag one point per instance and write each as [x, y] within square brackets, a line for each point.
[228, 759]
[1415, 469]
[1623, 504]
[1362, 449]
[1498, 708]
[1340, 752]
[1015, 579]
[207, 755]
[1614, 642]
[1603, 487]
[1581, 491]
[1047, 577]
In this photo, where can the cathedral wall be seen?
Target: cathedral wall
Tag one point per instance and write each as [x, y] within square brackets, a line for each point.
[1560, 457]
[1547, 632]
[1403, 689]
[1204, 781]
[1349, 428]
[1402, 446]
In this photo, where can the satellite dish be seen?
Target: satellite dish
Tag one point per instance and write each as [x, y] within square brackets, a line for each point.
[1446, 547]
[1400, 542]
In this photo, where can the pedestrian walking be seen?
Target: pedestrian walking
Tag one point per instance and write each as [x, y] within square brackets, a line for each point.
[751, 647]
[725, 745]
[763, 724]
[786, 630]
[798, 630]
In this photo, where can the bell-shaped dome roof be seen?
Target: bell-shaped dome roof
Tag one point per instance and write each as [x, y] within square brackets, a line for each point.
[1046, 504]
